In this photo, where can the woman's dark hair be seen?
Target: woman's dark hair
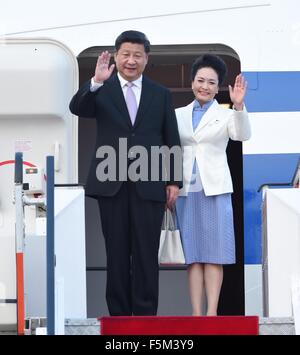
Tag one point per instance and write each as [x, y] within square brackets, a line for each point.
[210, 61]
[133, 37]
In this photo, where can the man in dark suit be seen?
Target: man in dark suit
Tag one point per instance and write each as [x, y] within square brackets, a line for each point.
[133, 115]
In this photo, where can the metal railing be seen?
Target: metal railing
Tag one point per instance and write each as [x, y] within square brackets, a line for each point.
[293, 183]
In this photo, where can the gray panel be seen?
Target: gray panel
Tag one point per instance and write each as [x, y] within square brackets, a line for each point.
[95, 247]
[173, 294]
[96, 303]
[35, 287]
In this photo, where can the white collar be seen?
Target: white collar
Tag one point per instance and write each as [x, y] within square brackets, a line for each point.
[137, 82]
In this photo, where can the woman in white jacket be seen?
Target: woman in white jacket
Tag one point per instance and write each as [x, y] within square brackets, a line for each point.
[204, 208]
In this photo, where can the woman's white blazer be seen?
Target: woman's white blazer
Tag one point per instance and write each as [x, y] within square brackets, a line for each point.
[207, 144]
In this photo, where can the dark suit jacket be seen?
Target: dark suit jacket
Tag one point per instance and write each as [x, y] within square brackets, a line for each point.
[155, 125]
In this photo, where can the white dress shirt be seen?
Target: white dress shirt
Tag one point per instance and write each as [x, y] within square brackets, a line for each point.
[136, 87]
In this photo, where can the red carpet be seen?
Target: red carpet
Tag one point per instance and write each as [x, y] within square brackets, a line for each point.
[221, 325]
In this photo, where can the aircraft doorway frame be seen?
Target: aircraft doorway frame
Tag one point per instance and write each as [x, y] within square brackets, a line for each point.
[169, 65]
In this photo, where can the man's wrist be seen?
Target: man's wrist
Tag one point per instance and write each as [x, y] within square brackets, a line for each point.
[94, 81]
[95, 85]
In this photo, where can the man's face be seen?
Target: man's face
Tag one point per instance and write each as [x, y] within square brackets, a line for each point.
[131, 60]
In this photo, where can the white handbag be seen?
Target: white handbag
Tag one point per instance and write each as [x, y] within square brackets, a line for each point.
[170, 246]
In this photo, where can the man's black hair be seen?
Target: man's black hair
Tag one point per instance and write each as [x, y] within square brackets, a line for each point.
[133, 37]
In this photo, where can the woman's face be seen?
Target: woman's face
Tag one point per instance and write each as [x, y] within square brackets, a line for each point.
[205, 85]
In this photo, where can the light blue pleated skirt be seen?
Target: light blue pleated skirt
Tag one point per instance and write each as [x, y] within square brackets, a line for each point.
[206, 227]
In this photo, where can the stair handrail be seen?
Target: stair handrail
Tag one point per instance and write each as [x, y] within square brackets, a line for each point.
[293, 183]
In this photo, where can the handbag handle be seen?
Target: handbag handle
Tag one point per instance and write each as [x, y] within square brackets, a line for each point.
[169, 220]
[165, 221]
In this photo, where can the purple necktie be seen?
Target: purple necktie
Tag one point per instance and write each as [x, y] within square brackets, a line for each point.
[131, 102]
